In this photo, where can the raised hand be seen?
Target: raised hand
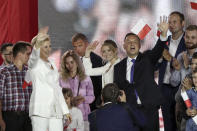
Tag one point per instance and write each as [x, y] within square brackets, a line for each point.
[163, 26]
[186, 83]
[176, 65]
[91, 47]
[44, 30]
[166, 55]
[185, 60]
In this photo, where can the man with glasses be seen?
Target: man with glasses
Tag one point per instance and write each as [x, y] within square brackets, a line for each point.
[6, 53]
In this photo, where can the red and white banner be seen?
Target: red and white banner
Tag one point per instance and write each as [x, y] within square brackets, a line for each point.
[186, 99]
[141, 29]
[193, 4]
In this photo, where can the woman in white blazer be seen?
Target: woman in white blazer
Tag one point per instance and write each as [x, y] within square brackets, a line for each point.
[109, 52]
[47, 104]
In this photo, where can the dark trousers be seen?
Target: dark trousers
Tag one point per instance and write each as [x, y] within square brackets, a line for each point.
[168, 108]
[152, 118]
[17, 121]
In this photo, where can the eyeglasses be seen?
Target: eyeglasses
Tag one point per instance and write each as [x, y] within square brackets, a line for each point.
[10, 53]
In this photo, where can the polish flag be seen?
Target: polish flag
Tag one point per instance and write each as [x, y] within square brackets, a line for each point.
[141, 29]
[193, 4]
[27, 81]
[186, 99]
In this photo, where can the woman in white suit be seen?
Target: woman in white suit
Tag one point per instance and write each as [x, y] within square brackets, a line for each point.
[47, 104]
[109, 51]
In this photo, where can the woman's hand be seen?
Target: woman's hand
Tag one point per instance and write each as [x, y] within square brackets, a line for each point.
[69, 118]
[90, 48]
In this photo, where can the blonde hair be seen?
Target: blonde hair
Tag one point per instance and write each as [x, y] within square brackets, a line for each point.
[64, 72]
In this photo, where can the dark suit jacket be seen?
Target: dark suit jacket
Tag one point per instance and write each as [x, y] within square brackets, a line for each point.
[162, 66]
[114, 117]
[143, 80]
[96, 80]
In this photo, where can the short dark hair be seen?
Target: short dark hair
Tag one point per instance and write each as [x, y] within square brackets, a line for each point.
[4, 46]
[78, 36]
[133, 34]
[67, 92]
[191, 28]
[182, 18]
[20, 47]
[194, 56]
[110, 93]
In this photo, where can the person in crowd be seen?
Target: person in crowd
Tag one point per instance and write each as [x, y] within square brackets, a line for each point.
[73, 77]
[175, 46]
[77, 122]
[109, 52]
[80, 43]
[47, 104]
[106, 118]
[181, 65]
[14, 101]
[192, 112]
[182, 71]
[135, 75]
[6, 53]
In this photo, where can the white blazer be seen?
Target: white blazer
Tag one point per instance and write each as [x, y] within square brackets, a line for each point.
[46, 99]
[106, 71]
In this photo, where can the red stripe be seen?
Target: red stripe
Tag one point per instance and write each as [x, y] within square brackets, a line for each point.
[193, 5]
[144, 32]
[188, 103]
[158, 33]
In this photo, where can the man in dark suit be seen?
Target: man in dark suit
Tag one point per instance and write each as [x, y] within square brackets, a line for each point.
[176, 45]
[115, 116]
[80, 43]
[135, 75]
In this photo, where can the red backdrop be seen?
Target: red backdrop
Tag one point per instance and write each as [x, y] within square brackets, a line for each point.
[18, 20]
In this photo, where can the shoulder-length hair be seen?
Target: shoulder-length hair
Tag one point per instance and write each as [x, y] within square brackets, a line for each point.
[64, 72]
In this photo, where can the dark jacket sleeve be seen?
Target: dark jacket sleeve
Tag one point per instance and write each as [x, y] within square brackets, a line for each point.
[92, 121]
[157, 51]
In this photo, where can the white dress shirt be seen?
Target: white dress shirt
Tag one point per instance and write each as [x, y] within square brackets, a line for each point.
[172, 50]
[107, 71]
[128, 75]
[46, 99]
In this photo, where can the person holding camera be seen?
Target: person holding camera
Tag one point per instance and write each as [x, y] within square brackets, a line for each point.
[115, 114]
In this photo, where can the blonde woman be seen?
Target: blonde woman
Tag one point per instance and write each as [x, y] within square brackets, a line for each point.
[109, 52]
[47, 104]
[73, 77]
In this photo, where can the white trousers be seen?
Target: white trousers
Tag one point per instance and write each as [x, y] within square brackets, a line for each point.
[46, 124]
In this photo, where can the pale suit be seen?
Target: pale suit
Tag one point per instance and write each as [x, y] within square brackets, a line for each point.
[47, 104]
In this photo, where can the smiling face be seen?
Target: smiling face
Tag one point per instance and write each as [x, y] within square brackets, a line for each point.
[194, 78]
[108, 53]
[132, 46]
[191, 39]
[71, 64]
[45, 50]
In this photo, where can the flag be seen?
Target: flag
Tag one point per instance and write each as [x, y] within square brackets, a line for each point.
[193, 4]
[186, 99]
[141, 29]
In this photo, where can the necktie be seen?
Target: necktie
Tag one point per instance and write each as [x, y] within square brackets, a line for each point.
[132, 70]
[132, 74]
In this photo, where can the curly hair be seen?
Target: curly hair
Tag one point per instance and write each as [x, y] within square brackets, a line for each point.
[64, 72]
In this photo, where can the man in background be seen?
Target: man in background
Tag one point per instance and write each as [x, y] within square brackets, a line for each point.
[80, 43]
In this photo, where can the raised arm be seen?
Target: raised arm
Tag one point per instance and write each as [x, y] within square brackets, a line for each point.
[156, 52]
